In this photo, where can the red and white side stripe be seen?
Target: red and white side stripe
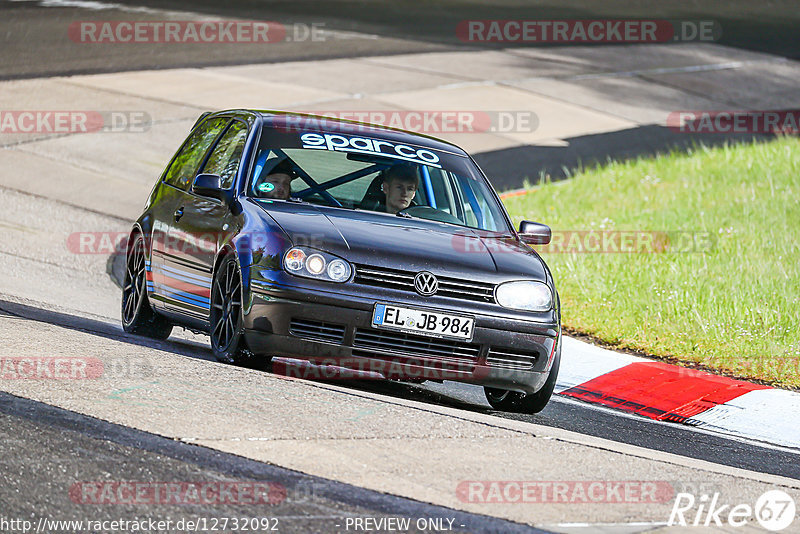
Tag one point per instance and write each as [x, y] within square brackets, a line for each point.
[671, 393]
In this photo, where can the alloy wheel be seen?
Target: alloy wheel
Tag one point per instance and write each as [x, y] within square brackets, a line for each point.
[133, 290]
[226, 304]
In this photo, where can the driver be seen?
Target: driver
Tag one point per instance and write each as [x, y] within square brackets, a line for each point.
[400, 184]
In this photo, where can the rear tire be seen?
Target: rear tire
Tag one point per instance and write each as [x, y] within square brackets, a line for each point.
[138, 316]
[530, 403]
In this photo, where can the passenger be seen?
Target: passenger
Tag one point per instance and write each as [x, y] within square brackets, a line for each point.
[399, 185]
[277, 185]
[281, 186]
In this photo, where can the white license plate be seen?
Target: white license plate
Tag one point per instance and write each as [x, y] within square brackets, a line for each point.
[423, 322]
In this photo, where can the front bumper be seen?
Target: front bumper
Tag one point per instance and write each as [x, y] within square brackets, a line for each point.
[329, 328]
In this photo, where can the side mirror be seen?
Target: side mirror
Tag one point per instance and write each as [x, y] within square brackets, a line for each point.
[533, 233]
[208, 185]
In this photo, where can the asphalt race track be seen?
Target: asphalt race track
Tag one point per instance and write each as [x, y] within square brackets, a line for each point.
[330, 451]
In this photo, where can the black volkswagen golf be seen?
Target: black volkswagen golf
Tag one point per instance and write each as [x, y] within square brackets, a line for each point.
[346, 244]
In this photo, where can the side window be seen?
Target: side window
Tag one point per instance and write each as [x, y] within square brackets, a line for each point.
[477, 211]
[182, 170]
[224, 160]
[442, 191]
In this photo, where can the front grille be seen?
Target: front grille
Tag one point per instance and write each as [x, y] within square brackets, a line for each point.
[414, 345]
[430, 353]
[447, 359]
[309, 329]
[404, 281]
[508, 358]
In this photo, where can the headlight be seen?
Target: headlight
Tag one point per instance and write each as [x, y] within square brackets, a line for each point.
[316, 264]
[339, 270]
[295, 259]
[524, 295]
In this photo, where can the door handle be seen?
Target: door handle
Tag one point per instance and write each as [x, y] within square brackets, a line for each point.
[178, 214]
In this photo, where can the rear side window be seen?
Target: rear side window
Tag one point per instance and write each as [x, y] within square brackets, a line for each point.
[224, 160]
[184, 166]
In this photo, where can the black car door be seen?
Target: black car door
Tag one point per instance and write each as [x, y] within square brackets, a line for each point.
[169, 286]
[204, 224]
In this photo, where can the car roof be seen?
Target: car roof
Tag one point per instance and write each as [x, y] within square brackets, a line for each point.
[319, 123]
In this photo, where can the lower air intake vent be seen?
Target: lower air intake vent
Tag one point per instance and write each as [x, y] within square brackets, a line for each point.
[508, 358]
[308, 329]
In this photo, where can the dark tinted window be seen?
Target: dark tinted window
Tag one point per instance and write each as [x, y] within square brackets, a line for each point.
[184, 167]
[224, 160]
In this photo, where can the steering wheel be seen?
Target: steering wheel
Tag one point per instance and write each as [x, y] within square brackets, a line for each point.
[431, 214]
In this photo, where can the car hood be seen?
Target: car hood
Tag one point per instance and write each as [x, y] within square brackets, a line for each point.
[379, 239]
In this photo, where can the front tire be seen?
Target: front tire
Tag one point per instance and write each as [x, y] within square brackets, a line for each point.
[137, 315]
[530, 403]
[227, 330]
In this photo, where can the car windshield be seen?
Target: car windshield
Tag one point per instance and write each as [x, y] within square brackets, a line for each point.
[369, 174]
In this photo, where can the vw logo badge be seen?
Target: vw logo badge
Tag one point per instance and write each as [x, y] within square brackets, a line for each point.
[426, 284]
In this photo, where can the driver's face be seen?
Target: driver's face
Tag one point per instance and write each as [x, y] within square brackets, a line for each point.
[399, 194]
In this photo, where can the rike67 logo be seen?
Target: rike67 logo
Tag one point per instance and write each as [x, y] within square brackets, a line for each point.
[775, 510]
